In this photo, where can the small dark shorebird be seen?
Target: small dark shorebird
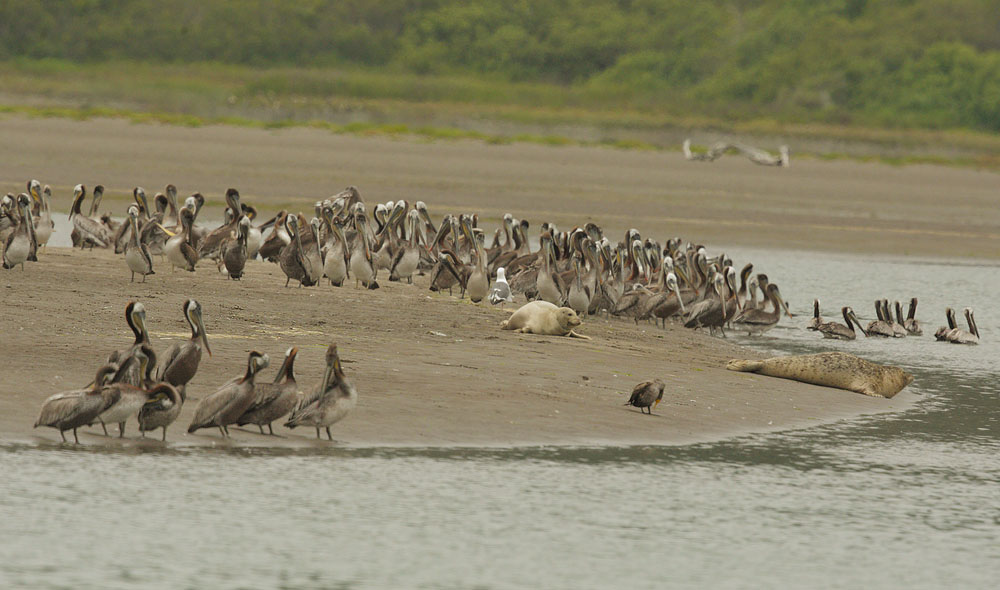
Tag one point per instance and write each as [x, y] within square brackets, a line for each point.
[646, 395]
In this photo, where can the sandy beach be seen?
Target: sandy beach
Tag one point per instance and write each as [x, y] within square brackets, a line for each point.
[474, 385]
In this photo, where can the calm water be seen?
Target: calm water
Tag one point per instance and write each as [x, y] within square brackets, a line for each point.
[905, 500]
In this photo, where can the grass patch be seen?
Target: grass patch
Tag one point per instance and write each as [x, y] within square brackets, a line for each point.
[386, 103]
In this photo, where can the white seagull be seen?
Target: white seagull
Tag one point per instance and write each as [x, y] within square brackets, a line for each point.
[500, 291]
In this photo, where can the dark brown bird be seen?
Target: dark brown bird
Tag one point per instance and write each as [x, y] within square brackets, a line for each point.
[647, 395]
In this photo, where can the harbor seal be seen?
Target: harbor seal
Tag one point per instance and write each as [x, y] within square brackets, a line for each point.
[832, 369]
[542, 317]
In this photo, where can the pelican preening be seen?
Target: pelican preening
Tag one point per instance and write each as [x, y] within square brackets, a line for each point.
[231, 401]
[330, 402]
[274, 400]
[840, 331]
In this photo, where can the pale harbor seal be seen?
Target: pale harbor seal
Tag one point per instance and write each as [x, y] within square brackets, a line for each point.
[542, 317]
[832, 369]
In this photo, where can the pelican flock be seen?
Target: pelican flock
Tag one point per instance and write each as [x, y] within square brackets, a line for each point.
[636, 277]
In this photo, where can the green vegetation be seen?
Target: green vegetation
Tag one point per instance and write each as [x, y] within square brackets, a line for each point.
[894, 63]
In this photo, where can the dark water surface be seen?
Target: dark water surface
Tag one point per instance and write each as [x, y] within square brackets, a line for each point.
[898, 500]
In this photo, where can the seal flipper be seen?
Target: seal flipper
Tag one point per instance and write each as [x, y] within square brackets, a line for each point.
[747, 366]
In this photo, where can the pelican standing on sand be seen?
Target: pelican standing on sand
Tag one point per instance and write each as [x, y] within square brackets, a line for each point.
[180, 247]
[332, 400]
[90, 230]
[43, 224]
[274, 400]
[17, 248]
[647, 395]
[136, 253]
[161, 410]
[181, 361]
[235, 251]
[128, 398]
[362, 265]
[229, 402]
[70, 410]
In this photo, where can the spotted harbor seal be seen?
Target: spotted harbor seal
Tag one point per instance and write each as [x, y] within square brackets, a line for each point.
[832, 369]
[542, 317]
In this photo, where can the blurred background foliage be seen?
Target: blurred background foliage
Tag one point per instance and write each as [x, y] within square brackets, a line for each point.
[932, 64]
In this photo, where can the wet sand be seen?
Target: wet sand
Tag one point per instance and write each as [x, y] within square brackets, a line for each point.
[475, 385]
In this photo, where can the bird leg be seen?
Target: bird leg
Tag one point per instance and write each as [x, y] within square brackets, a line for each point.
[222, 432]
[75, 437]
[261, 426]
[164, 434]
[102, 426]
[270, 428]
[62, 433]
[328, 435]
[121, 430]
[317, 433]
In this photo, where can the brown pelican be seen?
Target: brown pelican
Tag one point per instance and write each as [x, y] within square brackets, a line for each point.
[332, 400]
[880, 327]
[276, 241]
[816, 320]
[840, 331]
[647, 395]
[161, 410]
[943, 331]
[274, 400]
[294, 259]
[229, 402]
[960, 336]
[43, 223]
[70, 410]
[180, 247]
[447, 272]
[632, 304]
[362, 264]
[578, 298]
[128, 398]
[90, 230]
[548, 283]
[335, 250]
[478, 283]
[127, 359]
[235, 251]
[710, 311]
[757, 321]
[137, 254]
[211, 245]
[123, 232]
[668, 302]
[17, 248]
[153, 234]
[898, 331]
[407, 257]
[181, 361]
[912, 324]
